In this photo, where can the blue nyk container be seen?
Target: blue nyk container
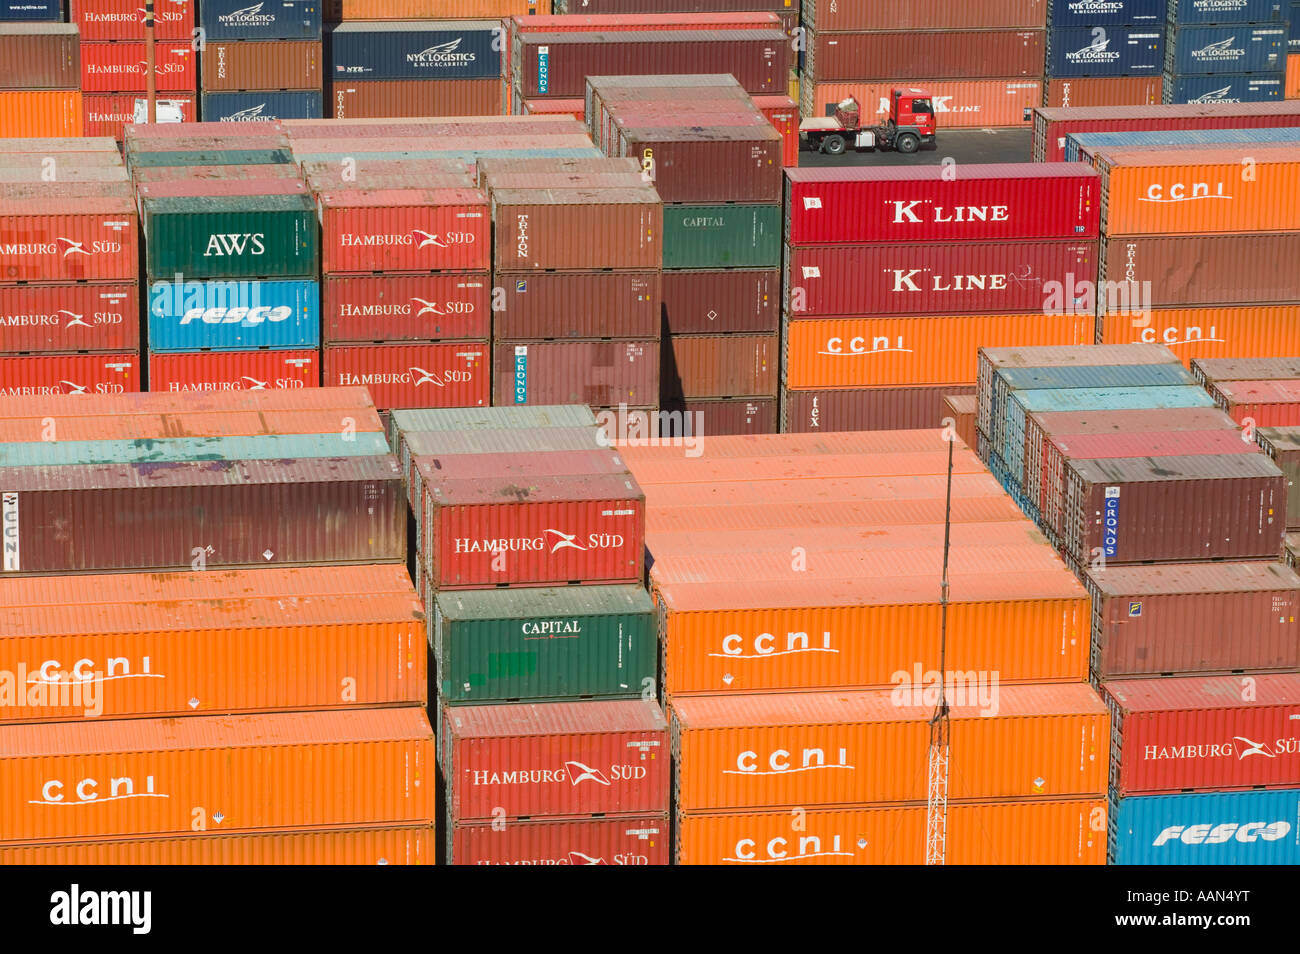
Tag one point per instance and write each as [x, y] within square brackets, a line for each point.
[1186, 12]
[178, 449]
[1294, 17]
[1226, 49]
[1080, 147]
[234, 315]
[1260, 827]
[267, 20]
[1091, 13]
[262, 107]
[1226, 88]
[27, 10]
[452, 49]
[1105, 51]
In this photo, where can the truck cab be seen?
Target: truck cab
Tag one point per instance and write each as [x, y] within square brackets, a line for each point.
[910, 125]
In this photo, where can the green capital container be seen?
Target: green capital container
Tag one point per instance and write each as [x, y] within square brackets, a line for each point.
[722, 236]
[200, 237]
[552, 643]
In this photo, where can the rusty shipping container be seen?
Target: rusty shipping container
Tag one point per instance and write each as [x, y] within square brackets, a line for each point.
[709, 161]
[372, 308]
[145, 776]
[601, 373]
[959, 413]
[845, 15]
[748, 415]
[734, 300]
[70, 317]
[809, 749]
[1194, 618]
[421, 230]
[628, 840]
[1282, 445]
[56, 238]
[560, 758]
[1089, 91]
[587, 304]
[380, 99]
[958, 103]
[720, 366]
[1209, 370]
[1263, 331]
[496, 166]
[39, 56]
[577, 228]
[867, 409]
[925, 54]
[449, 374]
[261, 65]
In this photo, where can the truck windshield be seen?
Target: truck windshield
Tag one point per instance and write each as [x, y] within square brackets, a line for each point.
[921, 106]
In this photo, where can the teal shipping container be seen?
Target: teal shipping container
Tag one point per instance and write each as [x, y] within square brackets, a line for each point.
[137, 159]
[230, 237]
[171, 450]
[722, 236]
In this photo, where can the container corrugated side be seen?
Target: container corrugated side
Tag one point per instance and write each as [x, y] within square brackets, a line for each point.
[1207, 828]
[626, 840]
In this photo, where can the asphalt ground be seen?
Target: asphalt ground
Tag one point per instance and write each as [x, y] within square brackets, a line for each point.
[961, 145]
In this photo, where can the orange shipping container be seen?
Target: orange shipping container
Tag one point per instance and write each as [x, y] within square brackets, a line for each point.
[713, 467]
[1293, 76]
[343, 10]
[866, 352]
[202, 773]
[810, 516]
[192, 424]
[363, 846]
[1243, 188]
[1244, 331]
[957, 103]
[853, 748]
[777, 493]
[793, 448]
[1027, 832]
[51, 113]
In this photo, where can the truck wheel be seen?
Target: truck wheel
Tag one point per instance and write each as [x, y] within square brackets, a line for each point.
[833, 145]
[907, 143]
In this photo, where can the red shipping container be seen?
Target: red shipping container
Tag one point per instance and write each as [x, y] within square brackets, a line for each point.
[561, 758]
[405, 230]
[720, 366]
[124, 19]
[867, 409]
[576, 529]
[72, 317]
[589, 304]
[739, 300]
[119, 67]
[372, 308]
[636, 840]
[453, 374]
[1262, 403]
[925, 54]
[1178, 733]
[234, 371]
[752, 415]
[56, 239]
[596, 373]
[69, 374]
[783, 113]
[997, 202]
[108, 114]
[934, 279]
[396, 99]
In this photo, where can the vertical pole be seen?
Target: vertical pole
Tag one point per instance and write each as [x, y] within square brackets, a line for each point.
[150, 92]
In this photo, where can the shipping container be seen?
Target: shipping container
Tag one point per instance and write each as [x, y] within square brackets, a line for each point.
[271, 236]
[453, 374]
[70, 317]
[401, 50]
[1238, 48]
[404, 230]
[1209, 370]
[374, 308]
[1183, 12]
[958, 103]
[234, 370]
[1258, 330]
[959, 412]
[542, 643]
[578, 228]
[41, 113]
[1282, 444]
[560, 758]
[599, 373]
[1092, 13]
[1085, 91]
[39, 56]
[344, 10]
[58, 239]
[230, 65]
[713, 160]
[1226, 88]
[42, 374]
[587, 304]
[233, 316]
[146, 776]
[804, 749]
[179, 450]
[628, 840]
[721, 236]
[375, 99]
[123, 405]
[262, 107]
[721, 301]
[31, 9]
[448, 421]
[277, 20]
[108, 114]
[119, 67]
[946, 54]
[284, 170]
[867, 409]
[720, 366]
[995, 202]
[750, 415]
[1259, 403]
[1177, 733]
[1134, 50]
[845, 15]
[1207, 828]
[124, 20]
[1022, 832]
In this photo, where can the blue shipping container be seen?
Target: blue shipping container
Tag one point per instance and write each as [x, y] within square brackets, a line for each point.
[1295, 27]
[1091, 13]
[268, 20]
[1207, 828]
[1080, 147]
[1105, 51]
[261, 107]
[414, 50]
[1226, 49]
[178, 449]
[233, 316]
[28, 10]
[1226, 88]
[1187, 12]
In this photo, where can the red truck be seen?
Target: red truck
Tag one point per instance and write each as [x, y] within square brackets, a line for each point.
[909, 127]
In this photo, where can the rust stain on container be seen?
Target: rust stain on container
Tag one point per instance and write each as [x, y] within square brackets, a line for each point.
[735, 300]
[577, 228]
[587, 304]
[720, 366]
[603, 373]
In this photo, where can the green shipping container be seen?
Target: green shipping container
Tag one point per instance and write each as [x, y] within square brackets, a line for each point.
[267, 236]
[530, 644]
[210, 157]
[722, 236]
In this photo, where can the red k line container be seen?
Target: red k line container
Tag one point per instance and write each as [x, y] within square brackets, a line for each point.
[1181, 733]
[945, 279]
[604, 373]
[998, 202]
[124, 19]
[120, 67]
[108, 114]
[559, 530]
[955, 54]
[629, 840]
[70, 317]
[26, 375]
[562, 758]
[588, 304]
[234, 371]
[738, 300]
[59, 239]
[440, 306]
[958, 103]
[1194, 618]
[454, 374]
[404, 230]
[127, 777]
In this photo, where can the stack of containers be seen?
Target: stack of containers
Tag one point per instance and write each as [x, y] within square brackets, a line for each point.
[716, 162]
[895, 276]
[69, 296]
[40, 79]
[1226, 52]
[231, 257]
[113, 59]
[205, 691]
[981, 63]
[542, 636]
[261, 62]
[779, 700]
[1105, 54]
[1214, 205]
